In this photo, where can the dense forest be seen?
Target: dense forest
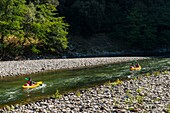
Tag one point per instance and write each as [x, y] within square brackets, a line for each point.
[31, 27]
[143, 24]
[48, 26]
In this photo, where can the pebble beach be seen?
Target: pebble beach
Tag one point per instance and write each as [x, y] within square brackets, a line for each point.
[16, 68]
[143, 94]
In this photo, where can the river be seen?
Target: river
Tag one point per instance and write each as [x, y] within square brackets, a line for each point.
[11, 91]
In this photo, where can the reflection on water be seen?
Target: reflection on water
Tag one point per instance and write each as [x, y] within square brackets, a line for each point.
[11, 91]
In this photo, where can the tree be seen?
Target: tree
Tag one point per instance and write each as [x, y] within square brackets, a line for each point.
[141, 34]
[31, 28]
[38, 2]
[162, 22]
[85, 17]
[11, 28]
[50, 30]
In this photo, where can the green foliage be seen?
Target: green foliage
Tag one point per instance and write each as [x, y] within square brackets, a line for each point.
[11, 17]
[140, 31]
[148, 74]
[139, 90]
[156, 73]
[139, 99]
[165, 72]
[30, 27]
[117, 82]
[36, 2]
[8, 108]
[157, 99]
[89, 15]
[168, 108]
[141, 25]
[52, 31]
[134, 98]
[57, 95]
[135, 78]
[35, 50]
[78, 94]
[108, 83]
[131, 109]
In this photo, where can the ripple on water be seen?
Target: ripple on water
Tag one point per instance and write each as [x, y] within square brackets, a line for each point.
[34, 89]
[70, 79]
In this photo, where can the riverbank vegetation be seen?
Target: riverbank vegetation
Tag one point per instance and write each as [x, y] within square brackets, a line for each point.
[138, 25]
[30, 27]
[41, 26]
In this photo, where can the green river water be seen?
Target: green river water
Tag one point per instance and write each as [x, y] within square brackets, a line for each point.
[11, 91]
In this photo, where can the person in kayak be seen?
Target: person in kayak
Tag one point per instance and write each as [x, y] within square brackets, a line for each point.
[137, 65]
[29, 82]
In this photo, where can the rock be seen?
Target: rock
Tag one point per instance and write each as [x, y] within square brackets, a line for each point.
[152, 98]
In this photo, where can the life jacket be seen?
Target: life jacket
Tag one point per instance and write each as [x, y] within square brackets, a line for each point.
[29, 82]
[137, 65]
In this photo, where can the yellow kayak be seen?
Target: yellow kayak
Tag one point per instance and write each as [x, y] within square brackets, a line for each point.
[33, 86]
[135, 68]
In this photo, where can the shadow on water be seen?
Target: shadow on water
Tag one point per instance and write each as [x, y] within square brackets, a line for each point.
[64, 81]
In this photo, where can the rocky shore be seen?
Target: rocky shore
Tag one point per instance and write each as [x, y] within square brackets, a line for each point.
[143, 94]
[15, 68]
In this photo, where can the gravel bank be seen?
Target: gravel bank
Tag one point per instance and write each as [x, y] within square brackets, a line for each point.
[148, 94]
[14, 68]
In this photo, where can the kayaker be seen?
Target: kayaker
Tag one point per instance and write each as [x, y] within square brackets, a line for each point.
[29, 82]
[137, 64]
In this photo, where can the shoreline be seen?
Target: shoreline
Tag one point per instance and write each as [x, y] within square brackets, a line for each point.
[149, 93]
[143, 94]
[15, 68]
